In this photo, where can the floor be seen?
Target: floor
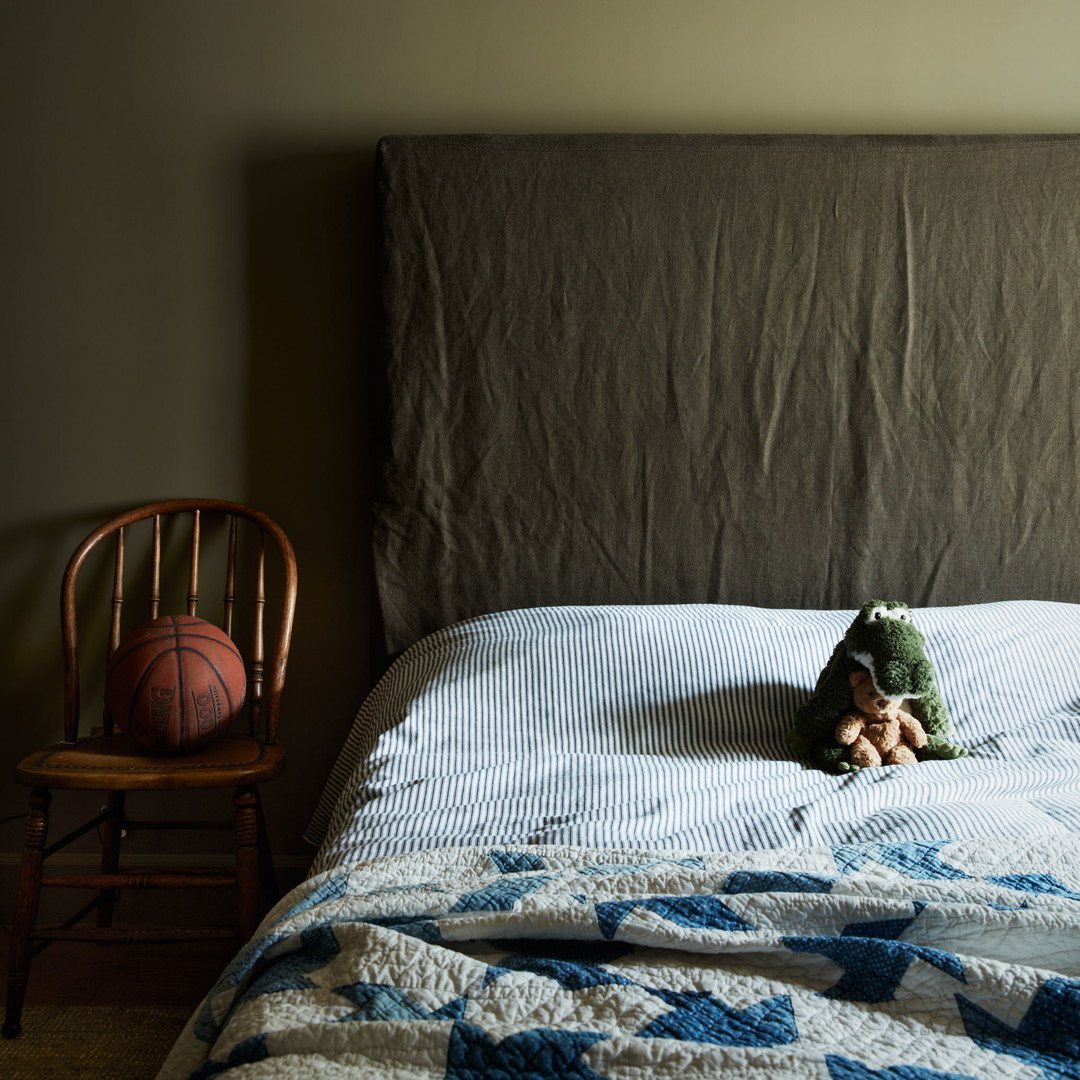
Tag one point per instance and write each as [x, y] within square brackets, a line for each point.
[81, 973]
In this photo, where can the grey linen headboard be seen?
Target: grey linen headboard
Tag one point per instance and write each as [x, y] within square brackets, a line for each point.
[775, 370]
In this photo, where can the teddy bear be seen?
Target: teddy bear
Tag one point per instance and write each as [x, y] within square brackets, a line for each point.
[879, 732]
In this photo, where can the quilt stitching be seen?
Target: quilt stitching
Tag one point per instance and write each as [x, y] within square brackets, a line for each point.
[854, 962]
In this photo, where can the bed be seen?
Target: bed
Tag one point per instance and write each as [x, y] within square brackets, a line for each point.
[661, 413]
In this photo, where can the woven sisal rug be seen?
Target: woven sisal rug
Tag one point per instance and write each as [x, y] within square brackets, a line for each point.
[64, 1042]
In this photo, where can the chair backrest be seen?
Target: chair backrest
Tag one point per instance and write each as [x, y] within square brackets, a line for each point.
[265, 679]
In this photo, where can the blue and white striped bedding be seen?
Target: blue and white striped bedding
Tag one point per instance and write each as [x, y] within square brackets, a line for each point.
[662, 727]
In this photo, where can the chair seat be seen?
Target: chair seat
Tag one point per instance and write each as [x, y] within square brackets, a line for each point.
[116, 763]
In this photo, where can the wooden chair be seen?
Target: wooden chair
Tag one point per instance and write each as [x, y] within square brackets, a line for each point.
[111, 763]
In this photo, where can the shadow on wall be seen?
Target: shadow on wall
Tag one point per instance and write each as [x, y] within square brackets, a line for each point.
[310, 262]
[309, 265]
[308, 254]
[33, 684]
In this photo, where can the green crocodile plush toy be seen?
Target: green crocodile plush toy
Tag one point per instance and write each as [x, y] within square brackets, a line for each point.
[882, 640]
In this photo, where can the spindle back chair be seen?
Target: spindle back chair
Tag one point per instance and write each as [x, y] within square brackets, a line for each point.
[108, 760]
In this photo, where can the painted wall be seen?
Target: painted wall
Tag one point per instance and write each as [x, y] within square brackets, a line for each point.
[185, 240]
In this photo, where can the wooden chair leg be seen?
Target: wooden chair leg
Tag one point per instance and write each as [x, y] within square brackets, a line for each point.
[247, 859]
[26, 909]
[111, 837]
[267, 875]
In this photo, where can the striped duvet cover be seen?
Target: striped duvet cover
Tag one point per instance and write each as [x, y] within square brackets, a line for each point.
[663, 727]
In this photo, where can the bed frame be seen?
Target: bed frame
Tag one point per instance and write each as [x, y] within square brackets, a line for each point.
[777, 370]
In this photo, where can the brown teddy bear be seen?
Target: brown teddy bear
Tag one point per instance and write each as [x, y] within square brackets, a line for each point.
[879, 732]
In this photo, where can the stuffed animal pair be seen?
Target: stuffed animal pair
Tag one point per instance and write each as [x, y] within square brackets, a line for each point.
[854, 718]
[878, 731]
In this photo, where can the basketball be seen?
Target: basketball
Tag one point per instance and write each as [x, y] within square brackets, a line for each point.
[175, 684]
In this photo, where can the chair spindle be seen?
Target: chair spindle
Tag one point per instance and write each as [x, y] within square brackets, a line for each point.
[257, 651]
[155, 570]
[193, 577]
[230, 578]
[115, 622]
[118, 594]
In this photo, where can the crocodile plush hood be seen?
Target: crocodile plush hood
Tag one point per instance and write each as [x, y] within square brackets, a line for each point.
[883, 639]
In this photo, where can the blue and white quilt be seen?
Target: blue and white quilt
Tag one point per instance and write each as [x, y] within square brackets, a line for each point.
[892, 961]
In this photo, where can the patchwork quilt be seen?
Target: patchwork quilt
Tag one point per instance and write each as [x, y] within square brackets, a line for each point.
[898, 961]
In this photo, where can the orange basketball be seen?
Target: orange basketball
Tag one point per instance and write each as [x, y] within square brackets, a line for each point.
[175, 684]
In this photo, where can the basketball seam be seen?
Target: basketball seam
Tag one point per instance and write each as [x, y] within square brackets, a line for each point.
[139, 688]
[225, 689]
[118, 658]
[224, 684]
[226, 641]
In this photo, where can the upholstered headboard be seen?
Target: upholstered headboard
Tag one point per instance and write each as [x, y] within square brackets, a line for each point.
[781, 371]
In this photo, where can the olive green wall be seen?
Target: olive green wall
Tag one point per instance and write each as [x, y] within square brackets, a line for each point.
[185, 236]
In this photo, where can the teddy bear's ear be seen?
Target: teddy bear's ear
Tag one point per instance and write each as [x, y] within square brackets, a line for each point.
[856, 677]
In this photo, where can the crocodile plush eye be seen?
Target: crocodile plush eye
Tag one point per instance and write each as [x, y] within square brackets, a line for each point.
[878, 613]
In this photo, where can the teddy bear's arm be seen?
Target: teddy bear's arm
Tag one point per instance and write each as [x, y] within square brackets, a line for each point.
[849, 729]
[911, 730]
